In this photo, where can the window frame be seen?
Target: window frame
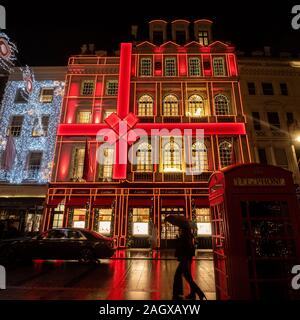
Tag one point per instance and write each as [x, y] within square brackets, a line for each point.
[114, 91]
[150, 70]
[216, 72]
[166, 66]
[198, 73]
[89, 90]
[48, 98]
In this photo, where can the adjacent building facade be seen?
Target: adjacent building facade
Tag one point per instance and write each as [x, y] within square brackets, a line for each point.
[182, 81]
[27, 139]
[270, 88]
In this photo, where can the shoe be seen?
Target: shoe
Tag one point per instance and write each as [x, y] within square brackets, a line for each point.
[201, 295]
[191, 296]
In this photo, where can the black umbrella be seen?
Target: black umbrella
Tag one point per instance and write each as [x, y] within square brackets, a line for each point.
[180, 221]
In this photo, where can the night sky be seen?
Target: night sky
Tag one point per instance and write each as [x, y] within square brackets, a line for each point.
[48, 32]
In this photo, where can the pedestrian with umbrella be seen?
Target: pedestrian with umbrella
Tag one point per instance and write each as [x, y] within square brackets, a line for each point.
[185, 251]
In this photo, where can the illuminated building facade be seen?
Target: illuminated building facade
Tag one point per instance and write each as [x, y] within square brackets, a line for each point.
[31, 125]
[270, 93]
[188, 83]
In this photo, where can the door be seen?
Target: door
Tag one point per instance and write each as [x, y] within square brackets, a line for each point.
[169, 232]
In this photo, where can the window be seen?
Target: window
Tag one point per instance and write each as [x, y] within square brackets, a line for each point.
[34, 164]
[145, 106]
[46, 95]
[194, 67]
[170, 67]
[281, 158]
[222, 105]
[106, 165]
[289, 118]
[172, 155]
[84, 117]
[75, 235]
[158, 37]
[219, 67]
[273, 119]
[87, 87]
[146, 67]
[267, 88]
[79, 218]
[112, 87]
[251, 88]
[225, 151]
[78, 163]
[180, 37]
[203, 221]
[144, 158]
[199, 157]
[284, 89]
[105, 219]
[15, 127]
[203, 38]
[170, 106]
[58, 216]
[45, 125]
[21, 96]
[256, 121]
[140, 219]
[262, 156]
[195, 106]
[40, 126]
[55, 234]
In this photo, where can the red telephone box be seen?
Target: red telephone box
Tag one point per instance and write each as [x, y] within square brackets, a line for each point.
[255, 232]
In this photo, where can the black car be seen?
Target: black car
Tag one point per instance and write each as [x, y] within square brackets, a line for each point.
[59, 244]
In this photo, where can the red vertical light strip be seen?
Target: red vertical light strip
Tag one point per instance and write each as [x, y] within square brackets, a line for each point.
[158, 65]
[133, 65]
[120, 168]
[182, 65]
[232, 65]
[207, 65]
[124, 80]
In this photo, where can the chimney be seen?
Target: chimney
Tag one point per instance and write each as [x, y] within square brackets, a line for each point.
[267, 51]
[91, 48]
[83, 49]
[134, 30]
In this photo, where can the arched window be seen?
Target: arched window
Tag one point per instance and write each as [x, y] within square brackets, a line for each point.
[172, 157]
[195, 106]
[222, 105]
[199, 157]
[225, 151]
[143, 158]
[145, 105]
[170, 105]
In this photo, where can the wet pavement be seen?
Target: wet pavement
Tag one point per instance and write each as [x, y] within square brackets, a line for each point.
[129, 275]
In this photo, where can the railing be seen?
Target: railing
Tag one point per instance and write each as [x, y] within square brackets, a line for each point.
[202, 177]
[143, 176]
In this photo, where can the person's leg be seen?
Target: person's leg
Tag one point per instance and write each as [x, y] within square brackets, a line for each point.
[177, 283]
[194, 288]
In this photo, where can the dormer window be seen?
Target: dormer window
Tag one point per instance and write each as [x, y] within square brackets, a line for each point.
[203, 38]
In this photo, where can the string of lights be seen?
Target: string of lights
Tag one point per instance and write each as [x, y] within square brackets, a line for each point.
[32, 111]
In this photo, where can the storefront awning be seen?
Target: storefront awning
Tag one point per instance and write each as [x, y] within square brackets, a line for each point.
[53, 203]
[77, 202]
[103, 202]
[139, 202]
[172, 202]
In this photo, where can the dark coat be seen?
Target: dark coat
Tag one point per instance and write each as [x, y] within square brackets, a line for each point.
[185, 248]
